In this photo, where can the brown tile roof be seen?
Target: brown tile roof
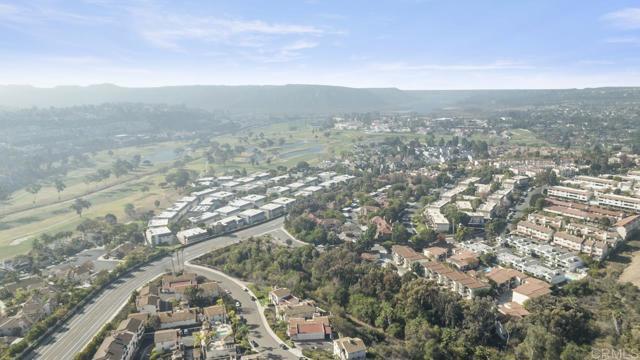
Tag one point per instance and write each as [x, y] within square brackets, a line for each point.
[503, 275]
[568, 237]
[214, 310]
[406, 252]
[530, 225]
[148, 300]
[140, 316]
[170, 280]
[313, 326]
[513, 309]
[351, 345]
[165, 336]
[567, 211]
[436, 251]
[167, 317]
[130, 324]
[464, 258]
[533, 288]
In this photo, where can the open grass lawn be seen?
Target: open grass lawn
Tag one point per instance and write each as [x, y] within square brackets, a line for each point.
[526, 138]
[17, 231]
[160, 154]
[22, 220]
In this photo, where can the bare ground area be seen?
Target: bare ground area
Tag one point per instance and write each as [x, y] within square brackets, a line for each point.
[631, 273]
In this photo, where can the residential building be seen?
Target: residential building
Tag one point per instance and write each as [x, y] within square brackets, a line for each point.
[571, 213]
[134, 327]
[170, 281]
[256, 200]
[455, 280]
[436, 253]
[193, 235]
[464, 260]
[173, 319]
[595, 183]
[215, 314]
[227, 224]
[241, 204]
[531, 289]
[148, 303]
[227, 211]
[253, 216]
[568, 241]
[159, 236]
[304, 310]
[273, 210]
[166, 340]
[564, 192]
[207, 290]
[438, 221]
[536, 231]
[278, 190]
[347, 348]
[512, 310]
[309, 330]
[627, 226]
[281, 296]
[619, 202]
[546, 221]
[404, 256]
[116, 346]
[122, 343]
[285, 201]
[506, 278]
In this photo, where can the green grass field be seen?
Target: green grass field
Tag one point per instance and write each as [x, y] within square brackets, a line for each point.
[526, 138]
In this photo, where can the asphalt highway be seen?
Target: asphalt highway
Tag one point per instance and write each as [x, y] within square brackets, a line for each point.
[81, 328]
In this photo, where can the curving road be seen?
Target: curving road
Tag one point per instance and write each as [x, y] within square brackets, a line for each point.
[81, 328]
[259, 330]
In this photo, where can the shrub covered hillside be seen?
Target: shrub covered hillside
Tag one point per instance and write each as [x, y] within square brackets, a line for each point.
[412, 318]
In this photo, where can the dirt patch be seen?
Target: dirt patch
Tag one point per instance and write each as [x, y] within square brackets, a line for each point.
[632, 272]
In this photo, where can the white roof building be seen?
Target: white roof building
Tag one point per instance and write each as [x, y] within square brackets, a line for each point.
[228, 210]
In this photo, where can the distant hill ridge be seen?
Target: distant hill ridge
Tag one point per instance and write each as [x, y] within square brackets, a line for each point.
[311, 99]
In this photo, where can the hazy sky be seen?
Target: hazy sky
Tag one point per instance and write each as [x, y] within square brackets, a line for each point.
[397, 43]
